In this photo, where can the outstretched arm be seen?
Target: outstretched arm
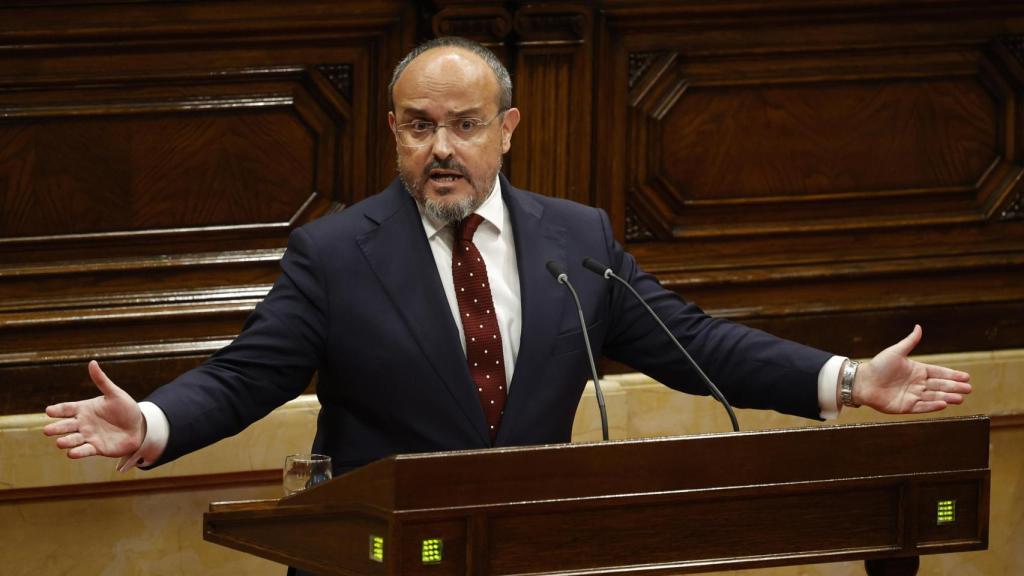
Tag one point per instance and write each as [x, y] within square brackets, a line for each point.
[894, 384]
[108, 425]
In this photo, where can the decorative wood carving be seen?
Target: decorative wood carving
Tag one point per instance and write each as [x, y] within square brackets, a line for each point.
[551, 24]
[552, 56]
[1015, 207]
[636, 230]
[542, 147]
[340, 76]
[487, 24]
[639, 62]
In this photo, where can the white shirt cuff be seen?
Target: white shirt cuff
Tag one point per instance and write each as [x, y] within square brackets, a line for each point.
[828, 387]
[153, 444]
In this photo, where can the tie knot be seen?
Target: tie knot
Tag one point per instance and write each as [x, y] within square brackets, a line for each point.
[467, 227]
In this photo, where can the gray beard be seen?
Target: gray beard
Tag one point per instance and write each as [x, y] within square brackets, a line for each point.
[450, 212]
[445, 213]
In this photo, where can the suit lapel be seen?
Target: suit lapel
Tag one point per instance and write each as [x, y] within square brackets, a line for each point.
[537, 242]
[398, 252]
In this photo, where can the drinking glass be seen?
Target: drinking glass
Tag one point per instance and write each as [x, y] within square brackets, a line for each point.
[303, 471]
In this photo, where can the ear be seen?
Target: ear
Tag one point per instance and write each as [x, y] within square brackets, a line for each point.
[508, 126]
[391, 121]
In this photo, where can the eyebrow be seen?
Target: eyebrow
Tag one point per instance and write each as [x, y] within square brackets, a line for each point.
[421, 113]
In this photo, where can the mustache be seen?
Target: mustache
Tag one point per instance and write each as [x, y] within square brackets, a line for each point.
[446, 164]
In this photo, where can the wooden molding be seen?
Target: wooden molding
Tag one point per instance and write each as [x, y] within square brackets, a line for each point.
[139, 486]
[551, 24]
[1007, 420]
[487, 24]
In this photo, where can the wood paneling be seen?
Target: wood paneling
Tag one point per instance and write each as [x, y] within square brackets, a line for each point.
[154, 158]
[830, 170]
[550, 154]
[140, 486]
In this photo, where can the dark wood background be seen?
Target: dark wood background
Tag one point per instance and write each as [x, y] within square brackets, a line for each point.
[830, 170]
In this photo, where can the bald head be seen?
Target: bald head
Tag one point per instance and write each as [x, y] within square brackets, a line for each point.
[472, 54]
[451, 75]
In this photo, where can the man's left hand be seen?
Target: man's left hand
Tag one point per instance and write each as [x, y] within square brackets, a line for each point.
[894, 384]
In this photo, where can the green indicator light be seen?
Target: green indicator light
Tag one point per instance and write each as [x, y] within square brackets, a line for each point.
[376, 548]
[946, 512]
[431, 551]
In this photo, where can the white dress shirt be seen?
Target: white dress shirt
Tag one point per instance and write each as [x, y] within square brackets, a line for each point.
[496, 243]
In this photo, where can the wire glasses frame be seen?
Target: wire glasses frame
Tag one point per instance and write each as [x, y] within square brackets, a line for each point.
[421, 132]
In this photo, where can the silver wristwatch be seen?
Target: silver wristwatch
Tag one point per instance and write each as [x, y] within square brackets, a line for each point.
[846, 387]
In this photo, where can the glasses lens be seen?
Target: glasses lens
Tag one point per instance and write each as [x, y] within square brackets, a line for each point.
[409, 138]
[466, 128]
[463, 130]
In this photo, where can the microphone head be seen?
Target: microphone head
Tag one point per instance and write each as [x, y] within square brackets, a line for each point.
[557, 270]
[596, 267]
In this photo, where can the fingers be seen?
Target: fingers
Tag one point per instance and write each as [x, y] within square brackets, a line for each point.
[939, 396]
[62, 410]
[946, 373]
[941, 385]
[83, 451]
[99, 378]
[906, 346]
[61, 427]
[928, 406]
[953, 399]
[71, 440]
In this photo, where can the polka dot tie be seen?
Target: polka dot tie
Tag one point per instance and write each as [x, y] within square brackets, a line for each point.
[479, 322]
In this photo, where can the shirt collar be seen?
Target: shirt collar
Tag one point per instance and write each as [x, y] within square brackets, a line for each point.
[492, 210]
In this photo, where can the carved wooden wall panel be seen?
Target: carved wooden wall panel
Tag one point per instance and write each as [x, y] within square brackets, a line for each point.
[551, 154]
[148, 158]
[153, 159]
[829, 171]
[786, 152]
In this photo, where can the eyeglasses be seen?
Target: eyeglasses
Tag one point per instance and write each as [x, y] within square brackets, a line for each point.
[421, 132]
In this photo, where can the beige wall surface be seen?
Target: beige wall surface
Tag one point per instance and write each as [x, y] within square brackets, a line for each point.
[81, 517]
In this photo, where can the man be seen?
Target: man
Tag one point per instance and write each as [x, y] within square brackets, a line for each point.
[382, 302]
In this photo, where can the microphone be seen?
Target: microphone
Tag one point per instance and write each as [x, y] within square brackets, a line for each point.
[602, 270]
[558, 273]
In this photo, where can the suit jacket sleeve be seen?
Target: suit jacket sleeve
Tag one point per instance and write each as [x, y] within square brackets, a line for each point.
[752, 368]
[271, 361]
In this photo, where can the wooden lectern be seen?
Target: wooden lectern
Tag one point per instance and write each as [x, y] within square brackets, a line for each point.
[885, 493]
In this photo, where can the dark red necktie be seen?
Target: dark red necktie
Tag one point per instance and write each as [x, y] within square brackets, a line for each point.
[479, 322]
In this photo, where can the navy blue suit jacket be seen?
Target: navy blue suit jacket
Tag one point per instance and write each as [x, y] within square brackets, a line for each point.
[360, 303]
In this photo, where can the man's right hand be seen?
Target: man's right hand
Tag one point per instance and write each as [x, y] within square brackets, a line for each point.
[108, 425]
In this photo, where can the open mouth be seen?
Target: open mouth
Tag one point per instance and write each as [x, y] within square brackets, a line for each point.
[445, 177]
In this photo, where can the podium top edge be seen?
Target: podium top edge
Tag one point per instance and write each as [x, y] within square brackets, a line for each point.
[975, 419]
[666, 464]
